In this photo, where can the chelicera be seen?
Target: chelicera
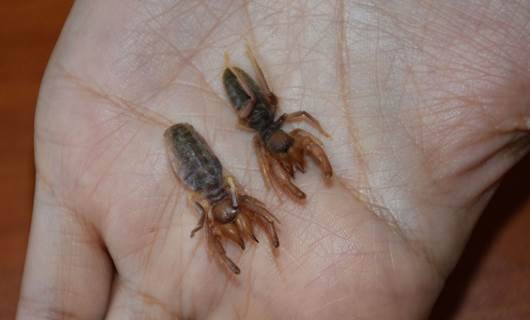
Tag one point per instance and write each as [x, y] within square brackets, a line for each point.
[224, 209]
[279, 153]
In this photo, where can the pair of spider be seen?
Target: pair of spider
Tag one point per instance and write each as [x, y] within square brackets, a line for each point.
[225, 210]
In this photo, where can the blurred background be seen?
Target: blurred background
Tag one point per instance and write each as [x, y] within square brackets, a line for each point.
[491, 281]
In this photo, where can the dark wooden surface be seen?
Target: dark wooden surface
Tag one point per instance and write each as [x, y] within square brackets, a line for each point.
[28, 32]
[492, 280]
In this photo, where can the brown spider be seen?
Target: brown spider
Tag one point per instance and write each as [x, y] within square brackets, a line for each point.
[256, 106]
[227, 212]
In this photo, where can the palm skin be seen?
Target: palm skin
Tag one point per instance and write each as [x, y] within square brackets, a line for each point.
[427, 105]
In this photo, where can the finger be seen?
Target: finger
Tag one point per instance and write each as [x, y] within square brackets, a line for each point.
[67, 272]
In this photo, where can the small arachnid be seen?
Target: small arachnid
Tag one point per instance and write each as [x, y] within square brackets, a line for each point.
[256, 107]
[226, 211]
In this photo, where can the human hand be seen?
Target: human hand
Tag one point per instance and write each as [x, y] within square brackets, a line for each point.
[427, 103]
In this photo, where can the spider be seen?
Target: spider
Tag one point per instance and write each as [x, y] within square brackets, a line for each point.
[256, 106]
[225, 210]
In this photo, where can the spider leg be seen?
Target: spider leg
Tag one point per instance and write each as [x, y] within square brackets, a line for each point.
[243, 125]
[313, 146]
[202, 207]
[255, 202]
[260, 77]
[287, 166]
[231, 232]
[200, 224]
[255, 208]
[245, 111]
[217, 246]
[283, 178]
[245, 226]
[304, 116]
[264, 160]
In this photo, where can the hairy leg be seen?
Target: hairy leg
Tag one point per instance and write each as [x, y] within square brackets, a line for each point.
[215, 243]
[304, 116]
[262, 213]
[314, 148]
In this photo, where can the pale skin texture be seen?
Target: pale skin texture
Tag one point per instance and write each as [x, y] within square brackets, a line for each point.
[427, 103]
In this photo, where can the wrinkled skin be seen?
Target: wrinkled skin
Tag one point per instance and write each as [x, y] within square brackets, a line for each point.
[427, 103]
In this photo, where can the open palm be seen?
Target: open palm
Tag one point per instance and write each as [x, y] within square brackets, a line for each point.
[427, 104]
